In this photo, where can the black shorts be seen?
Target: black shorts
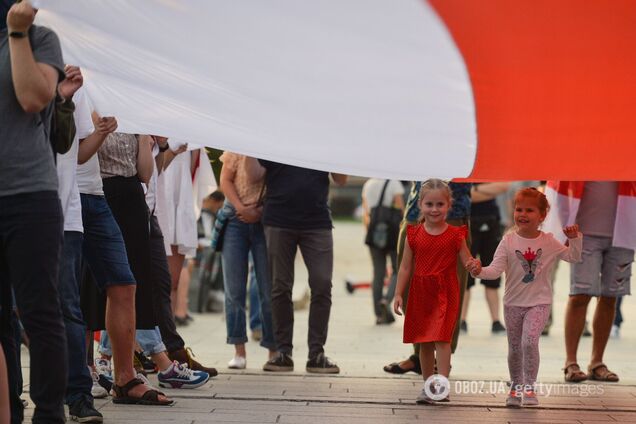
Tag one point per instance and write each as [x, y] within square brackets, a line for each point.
[486, 235]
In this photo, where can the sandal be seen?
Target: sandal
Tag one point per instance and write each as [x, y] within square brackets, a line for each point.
[151, 397]
[395, 368]
[573, 373]
[600, 372]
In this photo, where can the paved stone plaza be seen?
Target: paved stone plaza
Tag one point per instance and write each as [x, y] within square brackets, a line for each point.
[363, 393]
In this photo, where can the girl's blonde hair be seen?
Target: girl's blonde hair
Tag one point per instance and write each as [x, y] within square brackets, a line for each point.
[532, 193]
[434, 184]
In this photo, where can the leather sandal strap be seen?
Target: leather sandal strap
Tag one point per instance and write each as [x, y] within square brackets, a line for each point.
[122, 391]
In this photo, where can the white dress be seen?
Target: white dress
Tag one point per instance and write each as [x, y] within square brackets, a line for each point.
[179, 201]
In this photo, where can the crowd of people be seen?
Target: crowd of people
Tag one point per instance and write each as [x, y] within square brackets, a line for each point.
[94, 236]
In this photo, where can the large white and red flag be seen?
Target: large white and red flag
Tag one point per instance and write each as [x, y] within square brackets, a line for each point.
[489, 89]
[565, 198]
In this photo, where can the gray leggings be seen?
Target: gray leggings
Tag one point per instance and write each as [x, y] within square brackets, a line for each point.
[524, 326]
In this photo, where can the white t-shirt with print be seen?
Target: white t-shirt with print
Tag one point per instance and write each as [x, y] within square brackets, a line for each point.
[528, 266]
[372, 189]
[67, 165]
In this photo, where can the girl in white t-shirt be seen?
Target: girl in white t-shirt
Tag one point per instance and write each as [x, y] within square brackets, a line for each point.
[526, 254]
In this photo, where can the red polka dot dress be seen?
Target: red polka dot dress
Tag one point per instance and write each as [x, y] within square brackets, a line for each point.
[433, 303]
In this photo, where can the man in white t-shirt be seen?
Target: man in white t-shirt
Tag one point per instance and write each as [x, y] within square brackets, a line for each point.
[393, 191]
[78, 392]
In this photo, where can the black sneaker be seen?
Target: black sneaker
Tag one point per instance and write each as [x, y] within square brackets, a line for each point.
[83, 411]
[497, 328]
[146, 364]
[322, 365]
[463, 327]
[279, 363]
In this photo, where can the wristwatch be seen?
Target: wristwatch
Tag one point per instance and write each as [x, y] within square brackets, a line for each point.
[164, 148]
[18, 34]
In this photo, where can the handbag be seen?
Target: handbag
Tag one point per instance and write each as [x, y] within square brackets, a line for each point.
[384, 225]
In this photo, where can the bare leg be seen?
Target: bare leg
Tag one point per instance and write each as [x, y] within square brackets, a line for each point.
[120, 324]
[574, 323]
[443, 355]
[427, 359]
[601, 326]
[239, 350]
[175, 263]
[162, 360]
[492, 298]
[465, 304]
[182, 294]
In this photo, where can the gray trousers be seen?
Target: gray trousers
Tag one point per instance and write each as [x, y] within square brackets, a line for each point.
[316, 247]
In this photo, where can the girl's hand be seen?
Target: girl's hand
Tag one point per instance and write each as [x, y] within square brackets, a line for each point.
[397, 305]
[474, 266]
[571, 231]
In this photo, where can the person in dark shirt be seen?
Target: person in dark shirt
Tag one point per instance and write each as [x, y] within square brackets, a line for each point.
[485, 230]
[296, 215]
[31, 218]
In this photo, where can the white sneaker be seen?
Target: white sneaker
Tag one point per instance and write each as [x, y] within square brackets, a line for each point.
[179, 376]
[97, 390]
[615, 332]
[237, 363]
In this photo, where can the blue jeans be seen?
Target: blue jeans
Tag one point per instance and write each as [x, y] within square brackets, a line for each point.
[149, 340]
[239, 239]
[255, 307]
[79, 379]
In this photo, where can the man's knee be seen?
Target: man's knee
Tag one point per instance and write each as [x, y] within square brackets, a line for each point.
[579, 300]
[608, 302]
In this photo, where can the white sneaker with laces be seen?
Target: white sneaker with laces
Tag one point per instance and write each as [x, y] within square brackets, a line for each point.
[97, 390]
[237, 363]
[179, 376]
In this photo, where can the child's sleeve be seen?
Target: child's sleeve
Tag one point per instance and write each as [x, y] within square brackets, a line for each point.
[499, 262]
[571, 252]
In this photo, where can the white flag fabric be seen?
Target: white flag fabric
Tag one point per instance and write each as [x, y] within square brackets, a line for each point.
[361, 87]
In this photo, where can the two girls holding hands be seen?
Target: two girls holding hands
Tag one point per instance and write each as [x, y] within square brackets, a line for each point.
[526, 254]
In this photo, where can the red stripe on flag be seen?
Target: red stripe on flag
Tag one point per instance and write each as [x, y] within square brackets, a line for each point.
[568, 188]
[627, 188]
[554, 86]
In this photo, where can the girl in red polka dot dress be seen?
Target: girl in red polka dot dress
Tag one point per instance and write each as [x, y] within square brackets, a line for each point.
[430, 263]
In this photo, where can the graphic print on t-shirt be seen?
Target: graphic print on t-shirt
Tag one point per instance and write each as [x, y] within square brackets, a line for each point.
[529, 261]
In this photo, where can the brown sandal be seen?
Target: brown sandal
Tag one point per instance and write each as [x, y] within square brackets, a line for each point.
[151, 397]
[600, 372]
[573, 373]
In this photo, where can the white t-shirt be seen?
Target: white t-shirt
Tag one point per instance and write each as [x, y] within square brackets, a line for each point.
[528, 266]
[372, 189]
[151, 191]
[67, 165]
[89, 178]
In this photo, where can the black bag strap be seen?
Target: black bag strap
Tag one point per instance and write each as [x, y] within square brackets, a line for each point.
[386, 183]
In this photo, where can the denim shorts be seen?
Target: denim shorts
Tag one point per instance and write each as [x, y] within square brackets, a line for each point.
[104, 249]
[605, 270]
